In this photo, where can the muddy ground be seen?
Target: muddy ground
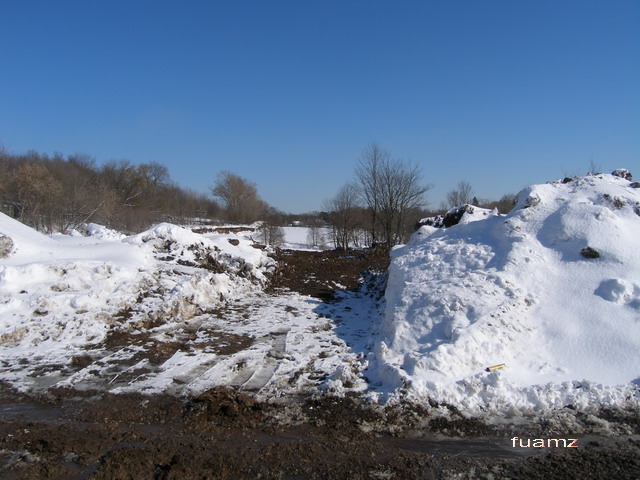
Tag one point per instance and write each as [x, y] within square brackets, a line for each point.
[226, 434]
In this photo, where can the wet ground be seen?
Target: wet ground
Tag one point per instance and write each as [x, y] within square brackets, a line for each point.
[226, 433]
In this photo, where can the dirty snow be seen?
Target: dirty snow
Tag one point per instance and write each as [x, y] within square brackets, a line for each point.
[516, 290]
[61, 296]
[167, 310]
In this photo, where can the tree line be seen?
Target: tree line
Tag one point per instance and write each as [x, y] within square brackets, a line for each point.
[379, 206]
[58, 193]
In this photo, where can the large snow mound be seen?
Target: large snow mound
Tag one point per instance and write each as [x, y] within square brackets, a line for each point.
[59, 296]
[552, 290]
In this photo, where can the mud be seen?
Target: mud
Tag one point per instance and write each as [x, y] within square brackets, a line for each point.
[320, 274]
[226, 434]
[223, 434]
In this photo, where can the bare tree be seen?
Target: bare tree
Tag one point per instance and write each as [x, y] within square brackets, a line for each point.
[390, 189]
[271, 234]
[371, 163]
[315, 237]
[402, 193]
[462, 195]
[38, 194]
[123, 178]
[240, 197]
[342, 215]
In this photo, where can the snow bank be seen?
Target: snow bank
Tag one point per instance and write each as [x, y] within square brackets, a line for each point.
[101, 232]
[552, 290]
[60, 296]
[219, 252]
[26, 241]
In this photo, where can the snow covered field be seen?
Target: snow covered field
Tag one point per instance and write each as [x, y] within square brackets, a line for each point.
[516, 290]
[299, 238]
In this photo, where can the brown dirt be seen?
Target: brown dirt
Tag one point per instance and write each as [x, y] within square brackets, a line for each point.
[320, 274]
[224, 434]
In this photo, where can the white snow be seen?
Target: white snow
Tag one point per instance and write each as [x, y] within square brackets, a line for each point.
[60, 297]
[300, 238]
[516, 290]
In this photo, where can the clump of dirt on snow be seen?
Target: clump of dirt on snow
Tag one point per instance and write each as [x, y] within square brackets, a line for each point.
[176, 244]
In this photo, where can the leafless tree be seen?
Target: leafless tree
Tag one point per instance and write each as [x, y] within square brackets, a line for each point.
[38, 194]
[369, 169]
[271, 235]
[240, 197]
[402, 193]
[315, 237]
[462, 195]
[342, 215]
[390, 189]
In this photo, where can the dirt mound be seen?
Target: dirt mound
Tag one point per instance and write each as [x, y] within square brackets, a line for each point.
[223, 406]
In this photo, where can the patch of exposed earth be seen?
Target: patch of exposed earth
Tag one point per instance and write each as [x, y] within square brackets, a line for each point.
[224, 434]
[142, 404]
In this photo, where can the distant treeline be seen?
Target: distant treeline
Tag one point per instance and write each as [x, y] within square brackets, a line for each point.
[57, 193]
[54, 193]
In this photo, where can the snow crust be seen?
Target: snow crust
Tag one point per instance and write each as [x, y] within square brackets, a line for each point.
[516, 290]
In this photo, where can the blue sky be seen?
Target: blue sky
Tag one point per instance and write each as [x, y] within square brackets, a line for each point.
[501, 94]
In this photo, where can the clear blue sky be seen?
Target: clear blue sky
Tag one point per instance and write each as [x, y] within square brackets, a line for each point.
[287, 93]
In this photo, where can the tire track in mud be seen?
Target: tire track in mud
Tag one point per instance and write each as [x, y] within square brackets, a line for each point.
[265, 372]
[277, 341]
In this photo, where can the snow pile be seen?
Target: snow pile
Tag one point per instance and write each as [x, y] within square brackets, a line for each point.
[552, 290]
[217, 252]
[25, 241]
[59, 296]
[100, 232]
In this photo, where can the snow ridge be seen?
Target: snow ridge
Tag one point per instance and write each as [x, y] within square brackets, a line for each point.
[521, 290]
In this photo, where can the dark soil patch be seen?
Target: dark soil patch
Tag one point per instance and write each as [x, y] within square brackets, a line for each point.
[320, 274]
[223, 434]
